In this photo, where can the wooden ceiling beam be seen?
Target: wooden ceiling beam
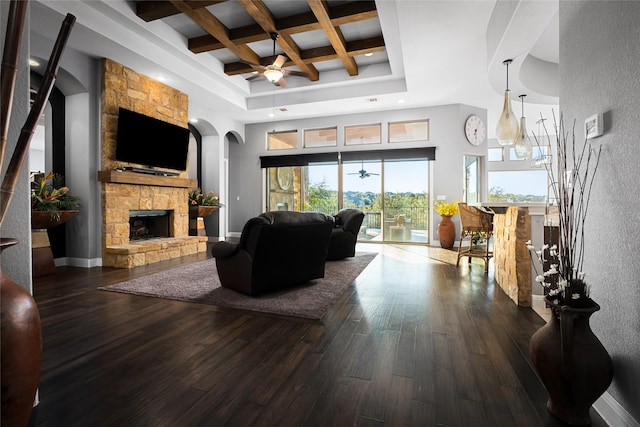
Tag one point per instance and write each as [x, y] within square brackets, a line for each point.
[213, 26]
[262, 15]
[241, 35]
[316, 54]
[321, 10]
[153, 10]
[294, 24]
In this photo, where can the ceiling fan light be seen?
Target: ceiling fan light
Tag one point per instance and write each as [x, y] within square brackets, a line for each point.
[272, 75]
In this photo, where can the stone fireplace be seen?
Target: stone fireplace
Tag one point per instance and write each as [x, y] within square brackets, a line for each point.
[127, 192]
[131, 200]
[149, 224]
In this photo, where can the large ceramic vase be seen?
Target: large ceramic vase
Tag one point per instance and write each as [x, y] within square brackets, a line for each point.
[571, 362]
[446, 232]
[21, 337]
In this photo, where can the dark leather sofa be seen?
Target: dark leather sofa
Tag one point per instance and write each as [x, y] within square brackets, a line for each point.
[345, 234]
[276, 250]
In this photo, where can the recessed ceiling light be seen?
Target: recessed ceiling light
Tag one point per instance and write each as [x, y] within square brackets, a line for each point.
[400, 101]
[193, 120]
[272, 115]
[34, 63]
[161, 79]
[368, 54]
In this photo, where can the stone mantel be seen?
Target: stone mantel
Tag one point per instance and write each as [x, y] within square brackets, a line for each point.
[126, 177]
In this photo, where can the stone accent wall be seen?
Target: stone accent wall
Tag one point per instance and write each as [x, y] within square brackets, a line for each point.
[123, 87]
[512, 263]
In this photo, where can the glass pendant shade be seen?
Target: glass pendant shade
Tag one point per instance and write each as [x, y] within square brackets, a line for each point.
[522, 145]
[507, 128]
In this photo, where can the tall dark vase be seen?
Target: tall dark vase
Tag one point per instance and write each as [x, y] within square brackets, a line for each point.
[446, 232]
[571, 362]
[21, 349]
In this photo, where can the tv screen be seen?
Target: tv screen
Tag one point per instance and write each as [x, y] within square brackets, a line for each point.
[146, 141]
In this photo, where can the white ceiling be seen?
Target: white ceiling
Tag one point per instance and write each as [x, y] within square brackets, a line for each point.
[437, 53]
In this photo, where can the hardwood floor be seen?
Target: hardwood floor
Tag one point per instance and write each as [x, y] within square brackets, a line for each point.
[413, 342]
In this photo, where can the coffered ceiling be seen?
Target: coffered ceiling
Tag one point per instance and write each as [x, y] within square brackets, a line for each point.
[423, 52]
[311, 35]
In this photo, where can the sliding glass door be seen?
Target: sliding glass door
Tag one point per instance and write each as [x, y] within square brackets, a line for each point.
[406, 201]
[393, 194]
[362, 189]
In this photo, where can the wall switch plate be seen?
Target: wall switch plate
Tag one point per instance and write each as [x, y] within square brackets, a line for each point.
[593, 126]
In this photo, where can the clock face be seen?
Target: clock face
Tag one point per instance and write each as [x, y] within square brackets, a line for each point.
[474, 130]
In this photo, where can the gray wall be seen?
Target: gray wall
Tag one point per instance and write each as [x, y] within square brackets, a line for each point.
[16, 262]
[600, 73]
[446, 133]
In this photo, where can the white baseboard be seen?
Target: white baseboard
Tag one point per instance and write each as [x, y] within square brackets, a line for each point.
[613, 413]
[234, 234]
[78, 262]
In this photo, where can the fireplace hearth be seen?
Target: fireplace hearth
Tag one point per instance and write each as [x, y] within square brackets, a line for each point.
[149, 224]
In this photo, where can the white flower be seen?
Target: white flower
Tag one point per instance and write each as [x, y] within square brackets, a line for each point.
[528, 242]
[581, 275]
[562, 284]
[555, 301]
[545, 247]
[530, 247]
[539, 253]
[575, 296]
[553, 292]
[540, 279]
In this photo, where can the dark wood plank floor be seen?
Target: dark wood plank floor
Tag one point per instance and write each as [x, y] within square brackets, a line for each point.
[413, 342]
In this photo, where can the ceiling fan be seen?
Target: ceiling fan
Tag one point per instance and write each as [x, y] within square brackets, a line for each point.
[362, 173]
[274, 72]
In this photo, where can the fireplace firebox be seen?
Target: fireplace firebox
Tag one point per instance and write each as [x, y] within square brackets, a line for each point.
[149, 224]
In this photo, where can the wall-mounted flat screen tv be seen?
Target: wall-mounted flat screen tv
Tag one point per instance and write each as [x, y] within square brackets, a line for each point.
[147, 141]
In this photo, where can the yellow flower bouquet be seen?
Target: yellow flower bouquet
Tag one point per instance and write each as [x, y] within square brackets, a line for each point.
[445, 209]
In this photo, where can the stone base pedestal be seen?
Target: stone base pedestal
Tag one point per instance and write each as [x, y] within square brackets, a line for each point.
[144, 252]
[512, 262]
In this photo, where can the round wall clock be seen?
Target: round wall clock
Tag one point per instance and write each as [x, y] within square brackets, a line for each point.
[474, 130]
[285, 178]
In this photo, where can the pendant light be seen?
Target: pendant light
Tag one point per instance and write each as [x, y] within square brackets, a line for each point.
[507, 128]
[522, 144]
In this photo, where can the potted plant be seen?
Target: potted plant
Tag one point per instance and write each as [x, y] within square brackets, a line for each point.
[51, 203]
[570, 360]
[202, 204]
[446, 227]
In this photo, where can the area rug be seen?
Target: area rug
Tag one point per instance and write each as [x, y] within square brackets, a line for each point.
[199, 283]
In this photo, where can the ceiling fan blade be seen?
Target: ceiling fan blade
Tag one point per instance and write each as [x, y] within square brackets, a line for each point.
[281, 83]
[253, 77]
[295, 73]
[280, 60]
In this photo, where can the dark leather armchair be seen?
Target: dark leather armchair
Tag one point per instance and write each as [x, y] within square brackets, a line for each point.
[345, 234]
[276, 250]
